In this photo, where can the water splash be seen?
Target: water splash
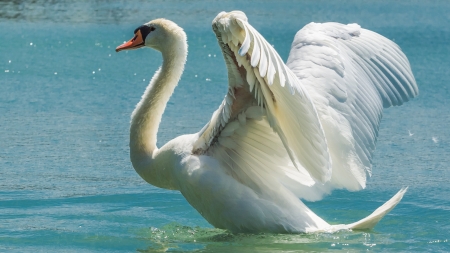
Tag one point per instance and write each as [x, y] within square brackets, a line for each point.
[176, 237]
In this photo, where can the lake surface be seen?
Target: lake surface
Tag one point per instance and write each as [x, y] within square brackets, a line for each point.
[66, 183]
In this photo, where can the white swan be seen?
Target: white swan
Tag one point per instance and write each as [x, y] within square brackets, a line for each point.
[283, 131]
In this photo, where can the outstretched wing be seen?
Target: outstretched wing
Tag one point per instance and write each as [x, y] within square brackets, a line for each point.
[350, 74]
[267, 121]
[296, 123]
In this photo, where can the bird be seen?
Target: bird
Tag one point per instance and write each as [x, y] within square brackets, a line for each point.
[285, 132]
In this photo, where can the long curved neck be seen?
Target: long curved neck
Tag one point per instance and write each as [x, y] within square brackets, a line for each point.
[147, 116]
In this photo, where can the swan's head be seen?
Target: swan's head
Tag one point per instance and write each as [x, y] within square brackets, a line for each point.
[160, 34]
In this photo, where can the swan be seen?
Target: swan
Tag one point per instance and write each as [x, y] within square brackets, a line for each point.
[284, 131]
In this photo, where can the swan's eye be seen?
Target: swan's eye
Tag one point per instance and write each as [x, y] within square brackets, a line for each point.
[145, 30]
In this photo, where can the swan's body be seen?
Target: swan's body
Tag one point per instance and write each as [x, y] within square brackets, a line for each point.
[283, 132]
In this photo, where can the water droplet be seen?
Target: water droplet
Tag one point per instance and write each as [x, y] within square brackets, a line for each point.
[204, 45]
[207, 79]
[195, 75]
[209, 55]
[6, 70]
[56, 73]
[9, 61]
[214, 55]
[143, 80]
[99, 69]
[109, 55]
[31, 43]
[134, 73]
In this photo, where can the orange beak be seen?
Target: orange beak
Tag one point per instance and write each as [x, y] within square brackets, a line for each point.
[135, 43]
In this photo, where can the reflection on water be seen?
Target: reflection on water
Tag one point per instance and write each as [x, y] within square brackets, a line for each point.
[175, 237]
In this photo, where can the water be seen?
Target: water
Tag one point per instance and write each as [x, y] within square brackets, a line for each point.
[66, 183]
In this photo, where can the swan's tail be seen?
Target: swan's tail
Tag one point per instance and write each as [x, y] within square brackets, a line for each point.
[372, 220]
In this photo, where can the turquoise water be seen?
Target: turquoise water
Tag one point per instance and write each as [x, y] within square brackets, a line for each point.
[66, 183]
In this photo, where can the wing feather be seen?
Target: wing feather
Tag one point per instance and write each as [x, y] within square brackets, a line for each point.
[369, 72]
[288, 109]
[249, 160]
[291, 113]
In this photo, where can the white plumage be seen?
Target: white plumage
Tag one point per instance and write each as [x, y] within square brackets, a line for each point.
[282, 132]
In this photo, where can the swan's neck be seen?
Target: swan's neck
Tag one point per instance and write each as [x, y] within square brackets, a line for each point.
[147, 116]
